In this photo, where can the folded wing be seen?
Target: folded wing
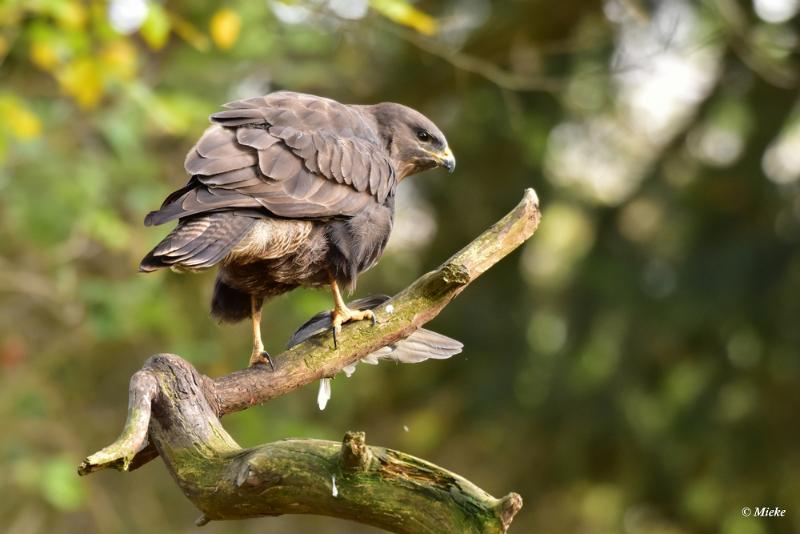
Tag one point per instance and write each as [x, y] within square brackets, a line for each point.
[288, 154]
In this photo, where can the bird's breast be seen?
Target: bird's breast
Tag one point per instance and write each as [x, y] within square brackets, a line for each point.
[357, 243]
[271, 239]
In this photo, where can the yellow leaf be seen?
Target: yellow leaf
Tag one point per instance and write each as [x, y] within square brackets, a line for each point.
[224, 27]
[155, 29]
[22, 122]
[43, 54]
[82, 81]
[70, 15]
[119, 58]
[401, 12]
[186, 31]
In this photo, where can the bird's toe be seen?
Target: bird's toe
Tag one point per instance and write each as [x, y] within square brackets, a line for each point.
[261, 357]
[367, 314]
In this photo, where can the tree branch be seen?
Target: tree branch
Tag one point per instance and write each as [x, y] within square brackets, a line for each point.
[411, 308]
[178, 410]
[505, 79]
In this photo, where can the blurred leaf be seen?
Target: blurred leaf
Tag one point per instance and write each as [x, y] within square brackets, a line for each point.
[82, 81]
[70, 14]
[224, 27]
[565, 236]
[155, 30]
[60, 485]
[105, 226]
[45, 50]
[702, 498]
[122, 128]
[10, 14]
[187, 31]
[120, 59]
[43, 54]
[21, 122]
[172, 113]
[31, 405]
[401, 12]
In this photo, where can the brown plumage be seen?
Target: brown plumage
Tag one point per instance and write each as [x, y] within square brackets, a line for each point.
[291, 190]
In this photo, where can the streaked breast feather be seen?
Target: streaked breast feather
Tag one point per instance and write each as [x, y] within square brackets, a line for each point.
[270, 239]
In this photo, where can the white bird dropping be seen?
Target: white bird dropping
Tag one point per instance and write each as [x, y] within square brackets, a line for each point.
[324, 394]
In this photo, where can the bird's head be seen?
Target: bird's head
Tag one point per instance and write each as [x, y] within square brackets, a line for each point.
[413, 140]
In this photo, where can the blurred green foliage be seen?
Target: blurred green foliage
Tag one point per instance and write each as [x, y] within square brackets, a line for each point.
[636, 368]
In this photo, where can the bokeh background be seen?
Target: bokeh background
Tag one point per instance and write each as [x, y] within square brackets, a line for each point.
[634, 368]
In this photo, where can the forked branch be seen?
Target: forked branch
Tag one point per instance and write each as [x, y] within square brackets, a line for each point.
[174, 412]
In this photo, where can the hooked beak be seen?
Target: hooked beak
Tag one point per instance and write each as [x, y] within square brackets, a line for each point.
[446, 159]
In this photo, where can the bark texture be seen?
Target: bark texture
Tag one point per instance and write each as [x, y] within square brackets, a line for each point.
[174, 412]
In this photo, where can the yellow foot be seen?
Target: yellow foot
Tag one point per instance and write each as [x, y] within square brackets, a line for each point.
[345, 315]
[261, 357]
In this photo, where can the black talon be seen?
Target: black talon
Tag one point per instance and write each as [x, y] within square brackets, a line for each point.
[374, 319]
[267, 357]
[335, 341]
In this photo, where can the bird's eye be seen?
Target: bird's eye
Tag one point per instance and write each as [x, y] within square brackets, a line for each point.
[422, 135]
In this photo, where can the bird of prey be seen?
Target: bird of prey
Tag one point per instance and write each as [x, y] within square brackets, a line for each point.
[291, 190]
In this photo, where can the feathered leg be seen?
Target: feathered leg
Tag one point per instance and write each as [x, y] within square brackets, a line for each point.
[342, 314]
[259, 356]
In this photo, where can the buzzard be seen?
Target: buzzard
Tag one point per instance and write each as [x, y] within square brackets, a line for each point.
[291, 190]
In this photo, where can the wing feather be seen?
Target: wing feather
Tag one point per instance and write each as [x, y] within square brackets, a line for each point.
[302, 185]
[347, 161]
[336, 161]
[198, 242]
[239, 179]
[294, 155]
[257, 138]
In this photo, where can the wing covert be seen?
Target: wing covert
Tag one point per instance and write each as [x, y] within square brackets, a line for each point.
[295, 155]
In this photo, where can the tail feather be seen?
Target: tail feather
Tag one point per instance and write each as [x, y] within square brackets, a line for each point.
[198, 242]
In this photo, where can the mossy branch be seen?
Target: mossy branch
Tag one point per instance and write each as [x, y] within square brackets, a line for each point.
[177, 409]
